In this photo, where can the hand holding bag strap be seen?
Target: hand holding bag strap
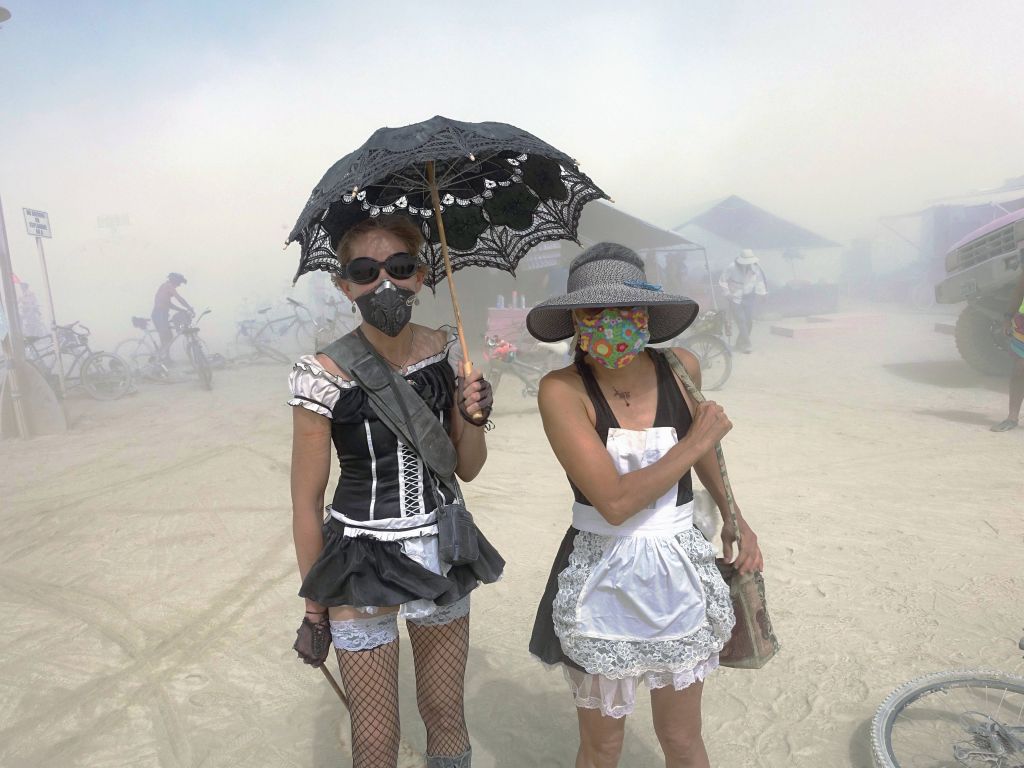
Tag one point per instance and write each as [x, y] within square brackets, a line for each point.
[696, 394]
[397, 404]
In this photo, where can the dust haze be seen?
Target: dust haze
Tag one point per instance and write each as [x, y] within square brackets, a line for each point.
[850, 146]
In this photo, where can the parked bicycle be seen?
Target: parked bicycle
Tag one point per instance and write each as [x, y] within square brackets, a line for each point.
[103, 376]
[971, 718]
[707, 340]
[505, 357]
[261, 336]
[335, 323]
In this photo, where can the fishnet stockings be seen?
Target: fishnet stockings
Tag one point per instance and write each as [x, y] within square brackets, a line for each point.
[371, 680]
[439, 652]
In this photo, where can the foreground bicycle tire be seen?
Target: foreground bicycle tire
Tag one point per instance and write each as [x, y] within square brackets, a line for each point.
[972, 688]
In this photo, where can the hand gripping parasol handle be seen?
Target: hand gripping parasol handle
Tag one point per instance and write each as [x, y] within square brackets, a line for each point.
[436, 199]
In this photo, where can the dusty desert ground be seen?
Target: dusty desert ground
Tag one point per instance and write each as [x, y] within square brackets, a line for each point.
[147, 579]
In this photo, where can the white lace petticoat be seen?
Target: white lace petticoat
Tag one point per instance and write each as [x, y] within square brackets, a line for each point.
[614, 618]
[617, 698]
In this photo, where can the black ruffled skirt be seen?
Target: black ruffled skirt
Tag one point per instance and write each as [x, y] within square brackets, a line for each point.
[544, 643]
[363, 571]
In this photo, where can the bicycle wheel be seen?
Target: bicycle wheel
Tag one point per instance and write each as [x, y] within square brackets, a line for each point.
[715, 359]
[201, 363]
[106, 376]
[138, 353]
[267, 351]
[953, 718]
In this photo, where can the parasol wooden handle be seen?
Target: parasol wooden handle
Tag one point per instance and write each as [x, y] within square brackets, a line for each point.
[435, 198]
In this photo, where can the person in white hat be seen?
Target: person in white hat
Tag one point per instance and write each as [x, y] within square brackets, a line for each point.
[742, 282]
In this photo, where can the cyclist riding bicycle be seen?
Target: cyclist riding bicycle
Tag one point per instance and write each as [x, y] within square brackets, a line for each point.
[163, 303]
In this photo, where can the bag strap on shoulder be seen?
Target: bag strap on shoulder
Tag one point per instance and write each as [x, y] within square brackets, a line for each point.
[410, 419]
[698, 396]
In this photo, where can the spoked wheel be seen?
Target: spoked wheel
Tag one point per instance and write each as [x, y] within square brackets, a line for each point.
[715, 359]
[267, 351]
[201, 363]
[138, 353]
[971, 718]
[106, 376]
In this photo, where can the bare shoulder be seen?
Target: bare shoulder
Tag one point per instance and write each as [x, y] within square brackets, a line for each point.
[560, 385]
[330, 366]
[689, 361]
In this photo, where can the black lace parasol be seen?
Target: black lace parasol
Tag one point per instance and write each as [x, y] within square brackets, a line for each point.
[500, 191]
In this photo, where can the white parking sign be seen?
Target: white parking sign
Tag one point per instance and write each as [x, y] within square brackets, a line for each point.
[37, 223]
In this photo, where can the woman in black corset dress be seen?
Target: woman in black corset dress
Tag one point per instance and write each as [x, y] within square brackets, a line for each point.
[634, 597]
[376, 558]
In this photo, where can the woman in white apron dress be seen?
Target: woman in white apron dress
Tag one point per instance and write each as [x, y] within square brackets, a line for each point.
[634, 595]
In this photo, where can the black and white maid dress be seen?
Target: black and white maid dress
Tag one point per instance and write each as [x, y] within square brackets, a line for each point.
[380, 536]
[640, 602]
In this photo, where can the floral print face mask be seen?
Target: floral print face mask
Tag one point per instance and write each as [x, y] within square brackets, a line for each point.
[612, 336]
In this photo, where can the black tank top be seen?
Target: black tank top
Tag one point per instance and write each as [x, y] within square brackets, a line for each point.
[671, 412]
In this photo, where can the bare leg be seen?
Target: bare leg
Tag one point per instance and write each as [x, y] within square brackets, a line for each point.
[676, 717]
[439, 652]
[1016, 388]
[600, 739]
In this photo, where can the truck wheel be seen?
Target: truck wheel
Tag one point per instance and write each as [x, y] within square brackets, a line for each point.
[981, 343]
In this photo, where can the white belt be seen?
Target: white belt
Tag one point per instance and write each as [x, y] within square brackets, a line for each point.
[663, 521]
[389, 528]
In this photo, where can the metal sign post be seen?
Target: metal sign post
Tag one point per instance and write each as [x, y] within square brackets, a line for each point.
[17, 342]
[38, 224]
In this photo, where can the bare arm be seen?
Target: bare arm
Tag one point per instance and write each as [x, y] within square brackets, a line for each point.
[749, 557]
[585, 459]
[470, 445]
[311, 469]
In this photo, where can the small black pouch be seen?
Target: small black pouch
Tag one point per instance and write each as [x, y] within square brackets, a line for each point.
[456, 535]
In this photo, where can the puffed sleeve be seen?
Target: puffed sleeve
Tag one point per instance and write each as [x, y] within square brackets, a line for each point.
[314, 388]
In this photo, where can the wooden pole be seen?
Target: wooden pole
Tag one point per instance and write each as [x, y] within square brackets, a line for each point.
[436, 199]
[335, 686]
[17, 342]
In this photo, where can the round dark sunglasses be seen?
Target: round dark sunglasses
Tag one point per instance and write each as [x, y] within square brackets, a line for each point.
[363, 270]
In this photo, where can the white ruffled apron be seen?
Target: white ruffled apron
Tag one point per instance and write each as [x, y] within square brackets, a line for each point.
[644, 586]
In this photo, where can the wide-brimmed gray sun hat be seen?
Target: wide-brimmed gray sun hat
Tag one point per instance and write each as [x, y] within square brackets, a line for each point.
[611, 275]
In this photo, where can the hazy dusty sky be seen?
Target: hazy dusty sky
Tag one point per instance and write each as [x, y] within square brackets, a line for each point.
[209, 127]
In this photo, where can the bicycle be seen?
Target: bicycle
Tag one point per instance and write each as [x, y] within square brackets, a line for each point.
[104, 376]
[505, 357]
[927, 721]
[195, 348]
[261, 337]
[706, 339]
[335, 325]
[140, 352]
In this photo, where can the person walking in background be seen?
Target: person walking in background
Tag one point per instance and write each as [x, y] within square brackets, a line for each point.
[163, 303]
[1015, 330]
[742, 282]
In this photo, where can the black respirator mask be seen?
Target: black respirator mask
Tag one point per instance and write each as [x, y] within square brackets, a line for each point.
[388, 308]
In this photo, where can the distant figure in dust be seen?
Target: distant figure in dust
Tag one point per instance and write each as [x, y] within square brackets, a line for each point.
[742, 282]
[1015, 330]
[163, 303]
[31, 316]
